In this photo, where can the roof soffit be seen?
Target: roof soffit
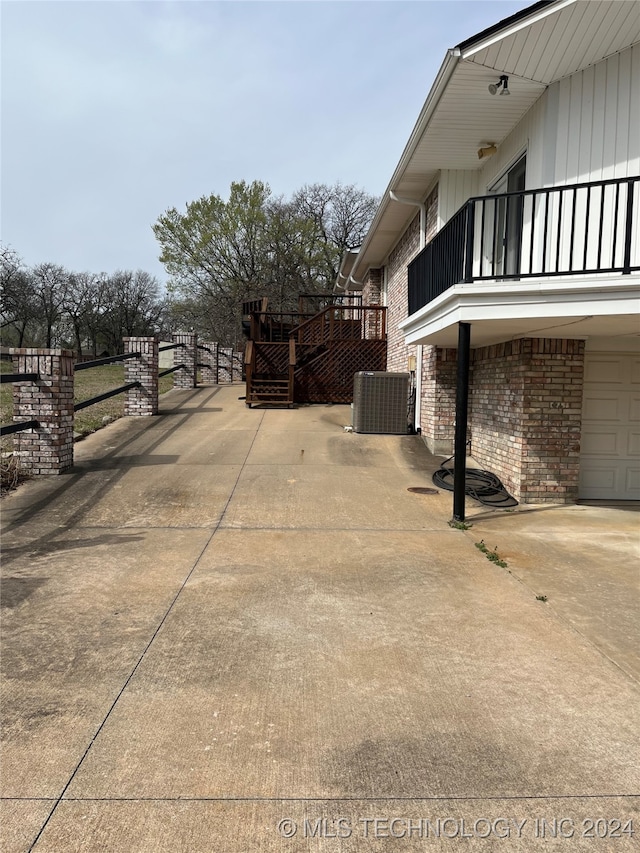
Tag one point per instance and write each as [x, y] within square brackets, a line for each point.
[460, 115]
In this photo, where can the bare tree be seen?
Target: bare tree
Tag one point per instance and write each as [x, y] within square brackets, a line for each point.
[134, 306]
[17, 297]
[50, 283]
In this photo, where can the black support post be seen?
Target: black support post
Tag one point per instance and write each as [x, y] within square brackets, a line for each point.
[462, 401]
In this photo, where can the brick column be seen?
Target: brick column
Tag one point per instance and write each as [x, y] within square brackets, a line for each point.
[143, 400]
[48, 448]
[225, 355]
[209, 356]
[187, 355]
[238, 359]
[526, 423]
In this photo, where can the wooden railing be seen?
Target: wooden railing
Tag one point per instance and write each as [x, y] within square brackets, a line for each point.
[349, 322]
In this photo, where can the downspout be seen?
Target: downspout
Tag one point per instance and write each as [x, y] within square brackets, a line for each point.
[423, 242]
[423, 215]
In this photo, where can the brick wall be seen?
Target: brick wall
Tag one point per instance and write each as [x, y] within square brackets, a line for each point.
[438, 398]
[525, 416]
[372, 289]
[397, 299]
[432, 215]
[397, 294]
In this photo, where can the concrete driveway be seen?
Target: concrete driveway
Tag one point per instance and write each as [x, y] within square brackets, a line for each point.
[237, 630]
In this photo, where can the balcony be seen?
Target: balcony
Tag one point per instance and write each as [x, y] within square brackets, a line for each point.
[582, 229]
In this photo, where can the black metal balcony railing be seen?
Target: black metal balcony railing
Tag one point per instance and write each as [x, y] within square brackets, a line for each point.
[581, 229]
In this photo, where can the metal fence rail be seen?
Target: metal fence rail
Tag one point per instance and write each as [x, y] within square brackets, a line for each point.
[18, 377]
[9, 429]
[20, 426]
[170, 370]
[86, 403]
[99, 362]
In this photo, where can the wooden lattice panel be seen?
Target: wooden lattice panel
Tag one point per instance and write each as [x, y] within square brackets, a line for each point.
[329, 377]
[271, 359]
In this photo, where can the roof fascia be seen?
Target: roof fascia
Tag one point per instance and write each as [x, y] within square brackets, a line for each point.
[510, 26]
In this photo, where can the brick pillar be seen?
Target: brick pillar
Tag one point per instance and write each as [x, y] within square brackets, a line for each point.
[238, 359]
[526, 420]
[143, 369]
[187, 377]
[209, 357]
[48, 448]
[225, 356]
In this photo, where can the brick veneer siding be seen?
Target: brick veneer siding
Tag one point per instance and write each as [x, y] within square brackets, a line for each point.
[526, 414]
[397, 291]
[372, 288]
[397, 299]
[141, 401]
[48, 448]
[186, 354]
[438, 398]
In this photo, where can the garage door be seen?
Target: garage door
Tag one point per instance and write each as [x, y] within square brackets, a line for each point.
[610, 447]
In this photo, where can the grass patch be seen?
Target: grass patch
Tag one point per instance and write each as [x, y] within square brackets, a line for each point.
[492, 556]
[460, 525]
[87, 384]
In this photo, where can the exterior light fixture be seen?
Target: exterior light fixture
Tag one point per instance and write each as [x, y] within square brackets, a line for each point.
[503, 83]
[488, 151]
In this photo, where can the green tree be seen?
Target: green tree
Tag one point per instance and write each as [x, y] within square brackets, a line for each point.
[220, 253]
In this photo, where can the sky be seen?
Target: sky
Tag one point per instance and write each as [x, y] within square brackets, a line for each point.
[114, 111]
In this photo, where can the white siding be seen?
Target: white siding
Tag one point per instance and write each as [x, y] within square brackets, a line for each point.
[583, 128]
[455, 187]
[598, 121]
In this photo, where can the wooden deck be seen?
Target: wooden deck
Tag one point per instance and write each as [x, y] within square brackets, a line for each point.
[295, 358]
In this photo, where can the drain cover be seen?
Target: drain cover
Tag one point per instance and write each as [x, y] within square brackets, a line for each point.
[422, 490]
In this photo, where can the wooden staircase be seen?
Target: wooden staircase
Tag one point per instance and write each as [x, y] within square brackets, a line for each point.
[295, 358]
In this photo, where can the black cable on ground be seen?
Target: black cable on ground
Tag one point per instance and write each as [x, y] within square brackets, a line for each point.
[482, 486]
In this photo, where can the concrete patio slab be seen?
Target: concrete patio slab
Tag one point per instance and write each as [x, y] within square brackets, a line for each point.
[585, 560]
[21, 821]
[296, 637]
[78, 612]
[337, 825]
[342, 669]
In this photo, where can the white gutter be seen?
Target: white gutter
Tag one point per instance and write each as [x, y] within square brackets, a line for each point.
[423, 215]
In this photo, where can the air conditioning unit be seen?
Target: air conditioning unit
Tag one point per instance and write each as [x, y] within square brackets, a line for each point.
[380, 402]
